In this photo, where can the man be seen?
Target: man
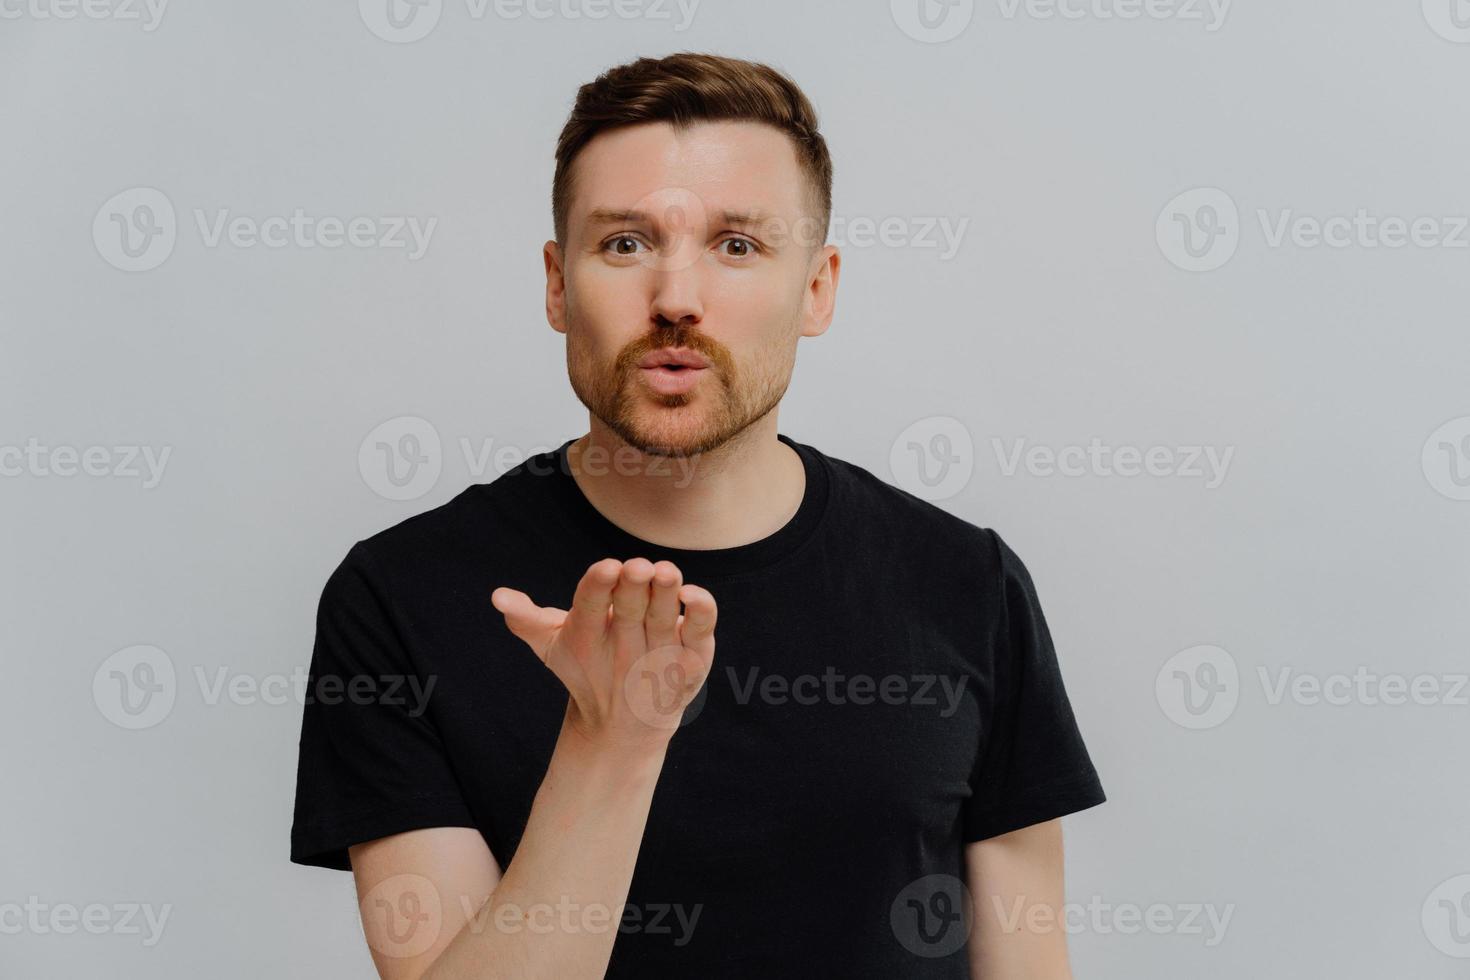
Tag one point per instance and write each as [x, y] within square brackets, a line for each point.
[864, 781]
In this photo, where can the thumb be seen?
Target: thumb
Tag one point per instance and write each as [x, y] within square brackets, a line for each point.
[532, 623]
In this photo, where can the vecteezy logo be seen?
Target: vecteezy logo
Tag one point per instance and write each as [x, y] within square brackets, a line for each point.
[680, 216]
[657, 684]
[1198, 687]
[402, 915]
[932, 21]
[932, 916]
[401, 458]
[1446, 459]
[135, 687]
[135, 230]
[1199, 230]
[934, 458]
[400, 21]
[1450, 19]
[1446, 917]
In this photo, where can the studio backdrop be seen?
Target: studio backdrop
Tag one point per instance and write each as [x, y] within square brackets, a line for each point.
[1171, 293]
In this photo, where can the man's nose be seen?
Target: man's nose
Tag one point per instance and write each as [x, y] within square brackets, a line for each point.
[676, 295]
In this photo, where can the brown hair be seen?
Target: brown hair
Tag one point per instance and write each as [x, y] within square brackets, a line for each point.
[686, 88]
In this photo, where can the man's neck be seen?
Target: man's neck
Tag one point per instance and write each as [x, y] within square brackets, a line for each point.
[741, 492]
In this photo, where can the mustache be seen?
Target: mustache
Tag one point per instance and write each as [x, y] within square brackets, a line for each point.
[681, 336]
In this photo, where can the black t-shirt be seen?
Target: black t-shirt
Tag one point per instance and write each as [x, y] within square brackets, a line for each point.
[884, 691]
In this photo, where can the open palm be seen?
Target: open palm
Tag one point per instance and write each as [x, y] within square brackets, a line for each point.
[631, 663]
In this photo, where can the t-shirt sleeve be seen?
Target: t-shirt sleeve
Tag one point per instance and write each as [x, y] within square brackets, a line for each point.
[1033, 765]
[371, 761]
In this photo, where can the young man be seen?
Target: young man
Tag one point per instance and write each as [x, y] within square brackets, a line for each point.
[864, 781]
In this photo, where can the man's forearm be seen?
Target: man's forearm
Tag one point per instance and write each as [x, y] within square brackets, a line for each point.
[556, 910]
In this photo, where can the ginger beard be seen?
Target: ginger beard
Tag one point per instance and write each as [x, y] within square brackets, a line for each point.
[721, 405]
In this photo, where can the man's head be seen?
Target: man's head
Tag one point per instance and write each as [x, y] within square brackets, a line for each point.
[691, 201]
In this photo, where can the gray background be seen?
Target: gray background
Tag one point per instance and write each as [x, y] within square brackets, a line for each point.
[1334, 834]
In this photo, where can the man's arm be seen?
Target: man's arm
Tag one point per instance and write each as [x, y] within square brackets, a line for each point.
[434, 866]
[554, 913]
[1016, 882]
[433, 902]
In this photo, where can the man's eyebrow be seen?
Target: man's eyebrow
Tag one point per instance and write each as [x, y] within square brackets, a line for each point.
[605, 216]
[728, 216]
[754, 216]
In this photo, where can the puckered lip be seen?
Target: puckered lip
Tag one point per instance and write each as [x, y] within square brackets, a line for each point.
[675, 356]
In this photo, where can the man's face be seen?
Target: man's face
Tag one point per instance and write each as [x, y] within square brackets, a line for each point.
[703, 242]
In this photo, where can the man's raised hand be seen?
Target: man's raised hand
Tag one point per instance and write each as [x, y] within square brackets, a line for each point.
[630, 661]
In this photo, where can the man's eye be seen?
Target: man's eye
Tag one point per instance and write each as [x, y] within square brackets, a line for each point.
[746, 247]
[620, 240]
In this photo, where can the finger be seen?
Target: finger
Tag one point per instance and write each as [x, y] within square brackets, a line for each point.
[697, 630]
[630, 605]
[532, 623]
[587, 621]
[662, 622]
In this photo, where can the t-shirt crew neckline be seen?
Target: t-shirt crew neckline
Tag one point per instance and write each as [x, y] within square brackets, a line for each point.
[700, 564]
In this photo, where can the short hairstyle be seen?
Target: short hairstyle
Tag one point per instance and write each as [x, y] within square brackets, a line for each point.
[686, 88]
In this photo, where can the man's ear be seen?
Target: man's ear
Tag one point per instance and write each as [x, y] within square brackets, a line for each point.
[820, 301]
[556, 287]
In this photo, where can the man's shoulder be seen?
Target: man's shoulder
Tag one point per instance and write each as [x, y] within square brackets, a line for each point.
[482, 519]
[909, 518]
